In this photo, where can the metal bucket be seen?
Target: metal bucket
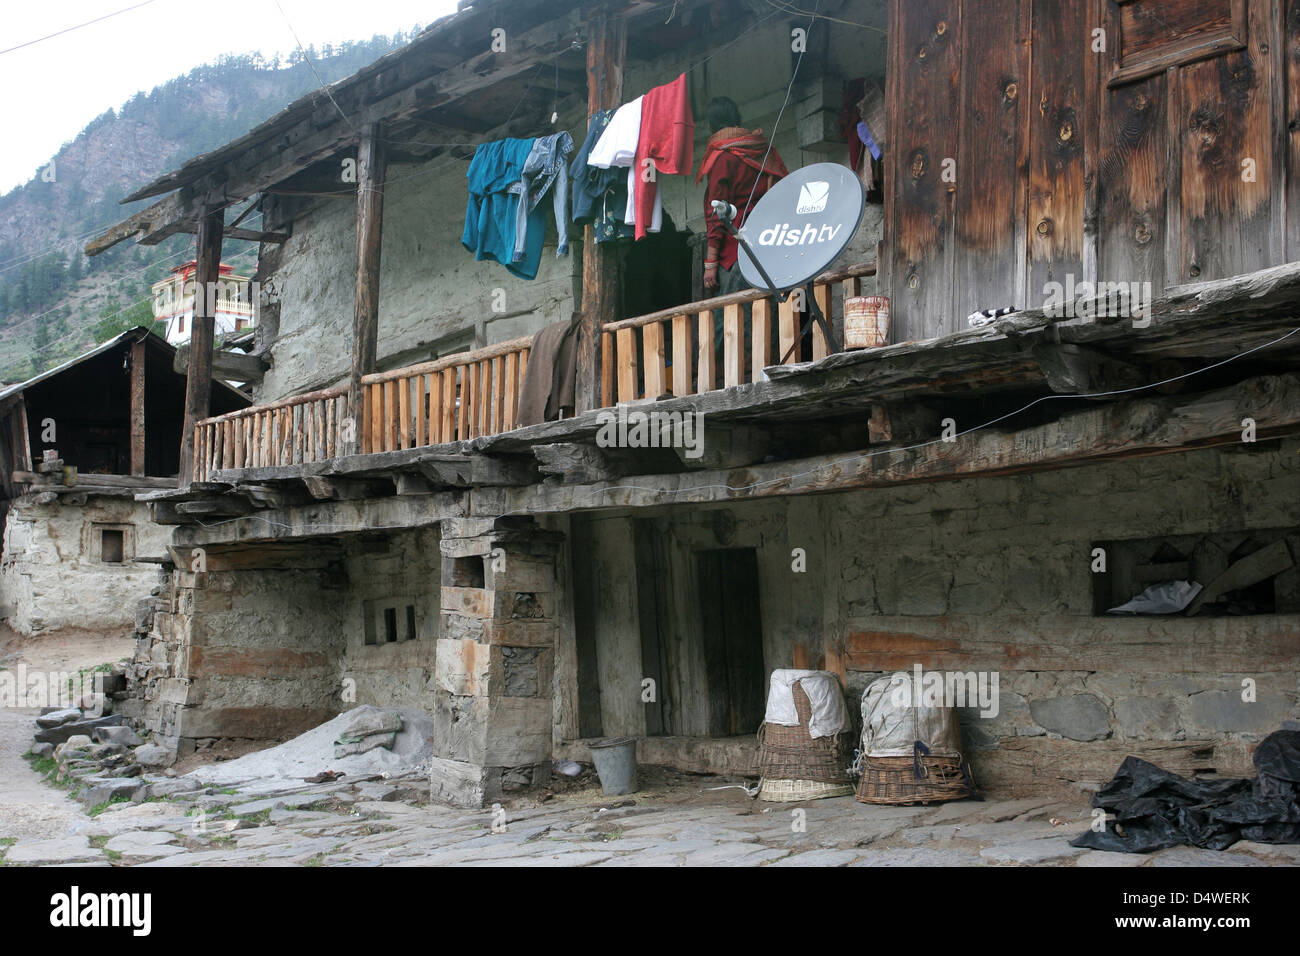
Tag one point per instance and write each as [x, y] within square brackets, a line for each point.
[615, 761]
[866, 321]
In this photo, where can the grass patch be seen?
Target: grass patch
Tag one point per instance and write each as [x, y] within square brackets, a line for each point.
[317, 860]
[5, 844]
[99, 808]
[49, 770]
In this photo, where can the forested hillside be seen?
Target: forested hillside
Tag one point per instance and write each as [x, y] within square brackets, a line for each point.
[54, 302]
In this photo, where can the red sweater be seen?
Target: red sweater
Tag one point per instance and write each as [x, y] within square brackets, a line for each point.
[733, 162]
[668, 138]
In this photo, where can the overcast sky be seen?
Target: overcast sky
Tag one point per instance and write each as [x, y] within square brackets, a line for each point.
[55, 87]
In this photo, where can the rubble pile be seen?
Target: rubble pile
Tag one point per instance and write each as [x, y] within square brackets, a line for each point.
[97, 750]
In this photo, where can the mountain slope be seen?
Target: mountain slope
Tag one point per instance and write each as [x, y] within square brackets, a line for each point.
[54, 302]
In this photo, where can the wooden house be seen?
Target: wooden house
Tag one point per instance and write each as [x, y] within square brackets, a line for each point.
[77, 443]
[972, 498]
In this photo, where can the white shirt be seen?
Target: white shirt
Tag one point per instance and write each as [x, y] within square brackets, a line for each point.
[617, 145]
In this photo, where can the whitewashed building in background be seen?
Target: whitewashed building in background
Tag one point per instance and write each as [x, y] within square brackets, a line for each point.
[173, 303]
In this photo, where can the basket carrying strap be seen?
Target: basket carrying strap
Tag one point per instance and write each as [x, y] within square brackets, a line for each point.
[918, 769]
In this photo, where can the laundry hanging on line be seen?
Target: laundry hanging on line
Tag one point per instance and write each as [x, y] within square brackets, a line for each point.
[667, 141]
[545, 170]
[599, 194]
[505, 219]
[617, 148]
[650, 135]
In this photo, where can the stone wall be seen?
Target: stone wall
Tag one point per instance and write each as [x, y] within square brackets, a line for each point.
[994, 575]
[391, 573]
[53, 574]
[251, 653]
[493, 703]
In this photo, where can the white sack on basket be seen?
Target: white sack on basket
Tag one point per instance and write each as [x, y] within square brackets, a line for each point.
[829, 715]
[893, 719]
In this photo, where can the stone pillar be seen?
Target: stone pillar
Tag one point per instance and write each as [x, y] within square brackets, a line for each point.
[495, 659]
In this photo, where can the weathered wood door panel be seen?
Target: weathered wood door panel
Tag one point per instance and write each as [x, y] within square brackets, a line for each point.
[1105, 140]
[1223, 108]
[1131, 180]
[990, 200]
[733, 640]
[1061, 104]
[925, 115]
[1290, 137]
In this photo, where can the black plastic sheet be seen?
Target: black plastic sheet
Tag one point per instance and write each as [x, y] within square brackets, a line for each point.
[1154, 809]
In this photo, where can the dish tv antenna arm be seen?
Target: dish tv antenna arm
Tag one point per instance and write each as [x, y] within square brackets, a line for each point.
[799, 227]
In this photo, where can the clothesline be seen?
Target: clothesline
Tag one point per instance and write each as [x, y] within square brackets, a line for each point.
[650, 136]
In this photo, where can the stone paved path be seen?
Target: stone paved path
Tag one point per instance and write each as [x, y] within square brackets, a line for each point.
[385, 823]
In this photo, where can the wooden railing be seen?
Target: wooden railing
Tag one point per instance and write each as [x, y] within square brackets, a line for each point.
[457, 397]
[461, 396]
[675, 350]
[473, 394]
[288, 432]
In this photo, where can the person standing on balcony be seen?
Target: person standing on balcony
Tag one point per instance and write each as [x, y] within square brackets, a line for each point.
[740, 167]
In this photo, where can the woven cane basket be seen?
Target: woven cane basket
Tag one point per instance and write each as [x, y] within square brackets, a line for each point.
[798, 766]
[894, 780]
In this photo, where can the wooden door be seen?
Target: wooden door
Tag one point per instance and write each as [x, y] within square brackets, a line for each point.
[733, 640]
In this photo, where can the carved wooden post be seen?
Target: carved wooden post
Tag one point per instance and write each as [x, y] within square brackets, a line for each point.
[371, 170]
[198, 380]
[606, 52]
[137, 408]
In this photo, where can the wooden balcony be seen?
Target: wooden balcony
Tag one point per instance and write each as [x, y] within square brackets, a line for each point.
[476, 394]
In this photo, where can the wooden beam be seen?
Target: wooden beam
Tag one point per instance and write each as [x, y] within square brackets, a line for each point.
[256, 235]
[338, 489]
[463, 471]
[370, 226]
[1076, 370]
[1132, 429]
[606, 53]
[575, 462]
[409, 484]
[1259, 566]
[163, 219]
[227, 366]
[137, 408]
[198, 381]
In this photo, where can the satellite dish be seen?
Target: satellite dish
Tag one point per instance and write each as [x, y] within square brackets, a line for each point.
[801, 225]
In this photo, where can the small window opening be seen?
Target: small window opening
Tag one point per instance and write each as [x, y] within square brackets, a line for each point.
[410, 622]
[112, 546]
[390, 624]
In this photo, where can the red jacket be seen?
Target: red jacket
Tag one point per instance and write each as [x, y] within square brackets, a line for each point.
[734, 164]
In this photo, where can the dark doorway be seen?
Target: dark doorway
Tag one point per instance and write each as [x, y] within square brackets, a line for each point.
[733, 640]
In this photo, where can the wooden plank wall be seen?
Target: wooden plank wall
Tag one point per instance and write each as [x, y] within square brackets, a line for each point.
[1065, 169]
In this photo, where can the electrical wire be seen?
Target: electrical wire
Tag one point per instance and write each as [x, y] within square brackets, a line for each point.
[50, 36]
[792, 9]
[776, 127]
[312, 65]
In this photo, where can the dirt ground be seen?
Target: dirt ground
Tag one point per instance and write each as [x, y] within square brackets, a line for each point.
[71, 649]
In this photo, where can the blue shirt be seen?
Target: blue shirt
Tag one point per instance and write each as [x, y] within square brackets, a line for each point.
[495, 182]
